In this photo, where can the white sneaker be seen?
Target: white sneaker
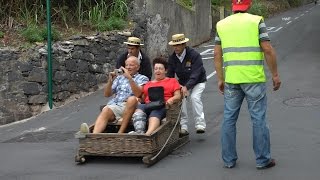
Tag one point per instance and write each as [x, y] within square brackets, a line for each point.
[84, 128]
[184, 132]
[136, 132]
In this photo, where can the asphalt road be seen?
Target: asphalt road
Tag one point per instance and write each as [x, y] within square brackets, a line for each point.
[43, 147]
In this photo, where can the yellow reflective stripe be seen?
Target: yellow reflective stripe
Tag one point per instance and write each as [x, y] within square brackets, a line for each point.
[243, 62]
[241, 49]
[243, 56]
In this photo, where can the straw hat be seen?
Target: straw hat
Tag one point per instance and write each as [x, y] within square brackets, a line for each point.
[134, 41]
[178, 39]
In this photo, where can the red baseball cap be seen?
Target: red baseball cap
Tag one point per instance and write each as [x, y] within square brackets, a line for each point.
[240, 5]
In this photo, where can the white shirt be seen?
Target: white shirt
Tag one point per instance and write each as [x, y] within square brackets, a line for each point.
[183, 54]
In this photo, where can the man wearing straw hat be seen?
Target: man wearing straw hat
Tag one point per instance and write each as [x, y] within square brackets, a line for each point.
[134, 44]
[187, 64]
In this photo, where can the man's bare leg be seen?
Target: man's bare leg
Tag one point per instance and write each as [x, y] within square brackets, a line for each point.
[131, 106]
[102, 120]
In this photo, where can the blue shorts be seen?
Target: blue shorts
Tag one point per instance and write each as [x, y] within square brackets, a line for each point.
[159, 113]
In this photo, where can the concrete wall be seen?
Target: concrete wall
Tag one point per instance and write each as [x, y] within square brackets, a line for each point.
[165, 18]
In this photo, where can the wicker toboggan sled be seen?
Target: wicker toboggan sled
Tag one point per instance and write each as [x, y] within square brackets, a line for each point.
[152, 148]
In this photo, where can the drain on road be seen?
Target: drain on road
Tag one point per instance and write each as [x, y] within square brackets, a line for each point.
[302, 101]
[43, 137]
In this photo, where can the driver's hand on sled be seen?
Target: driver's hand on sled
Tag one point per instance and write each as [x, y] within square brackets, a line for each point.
[169, 103]
[185, 92]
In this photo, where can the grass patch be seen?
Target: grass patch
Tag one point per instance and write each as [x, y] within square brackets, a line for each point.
[295, 3]
[29, 17]
[115, 23]
[188, 4]
[34, 33]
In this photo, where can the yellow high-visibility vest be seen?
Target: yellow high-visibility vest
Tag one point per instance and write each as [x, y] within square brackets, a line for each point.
[243, 58]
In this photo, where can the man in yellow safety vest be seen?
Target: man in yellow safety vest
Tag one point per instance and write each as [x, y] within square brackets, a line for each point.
[241, 45]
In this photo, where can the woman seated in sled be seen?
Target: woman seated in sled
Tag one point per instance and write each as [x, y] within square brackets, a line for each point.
[157, 94]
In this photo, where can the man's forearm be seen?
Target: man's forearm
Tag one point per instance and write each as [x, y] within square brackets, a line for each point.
[136, 89]
[108, 89]
[219, 70]
[270, 56]
[218, 63]
[272, 62]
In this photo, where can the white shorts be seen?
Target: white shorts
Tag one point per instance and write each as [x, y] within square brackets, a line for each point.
[117, 110]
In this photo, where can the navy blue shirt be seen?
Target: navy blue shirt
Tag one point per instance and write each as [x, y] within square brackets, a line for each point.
[190, 71]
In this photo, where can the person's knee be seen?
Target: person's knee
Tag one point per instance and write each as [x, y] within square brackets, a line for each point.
[107, 112]
[132, 101]
[139, 119]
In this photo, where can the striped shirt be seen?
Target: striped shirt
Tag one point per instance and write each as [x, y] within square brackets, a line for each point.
[122, 90]
[263, 34]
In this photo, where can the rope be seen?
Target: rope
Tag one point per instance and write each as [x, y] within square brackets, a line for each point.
[164, 145]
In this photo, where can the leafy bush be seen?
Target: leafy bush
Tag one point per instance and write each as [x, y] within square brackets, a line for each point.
[115, 23]
[258, 8]
[34, 33]
[55, 34]
[96, 14]
[1, 34]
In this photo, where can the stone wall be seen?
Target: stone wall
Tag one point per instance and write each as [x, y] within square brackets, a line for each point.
[79, 66]
[161, 19]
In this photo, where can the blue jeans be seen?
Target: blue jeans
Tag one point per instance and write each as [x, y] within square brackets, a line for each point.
[255, 95]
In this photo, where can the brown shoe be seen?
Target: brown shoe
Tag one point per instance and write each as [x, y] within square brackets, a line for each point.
[270, 165]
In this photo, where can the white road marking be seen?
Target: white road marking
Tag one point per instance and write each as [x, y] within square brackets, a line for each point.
[211, 75]
[296, 18]
[289, 22]
[302, 14]
[210, 45]
[270, 28]
[276, 30]
[208, 58]
[286, 18]
[208, 51]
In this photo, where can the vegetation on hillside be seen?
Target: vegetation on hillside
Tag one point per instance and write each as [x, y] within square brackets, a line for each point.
[26, 19]
[259, 7]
